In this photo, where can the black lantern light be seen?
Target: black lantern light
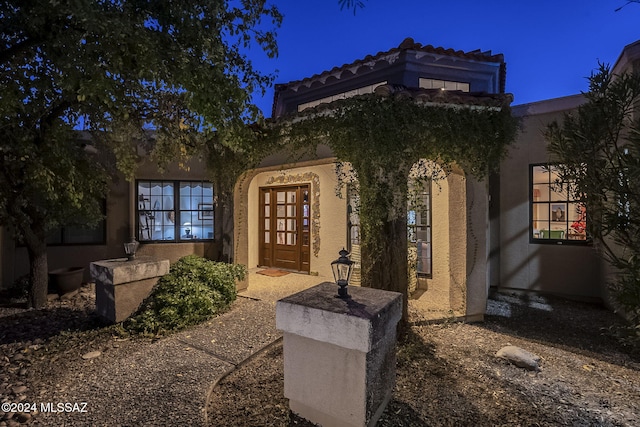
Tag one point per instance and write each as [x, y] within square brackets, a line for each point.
[131, 248]
[342, 272]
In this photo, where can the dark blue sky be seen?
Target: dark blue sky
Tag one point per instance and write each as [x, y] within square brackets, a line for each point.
[550, 46]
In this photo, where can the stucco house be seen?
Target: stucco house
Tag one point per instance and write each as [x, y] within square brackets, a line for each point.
[542, 246]
[157, 208]
[289, 215]
[507, 232]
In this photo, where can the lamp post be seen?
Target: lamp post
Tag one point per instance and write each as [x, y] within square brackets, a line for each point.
[342, 273]
[131, 248]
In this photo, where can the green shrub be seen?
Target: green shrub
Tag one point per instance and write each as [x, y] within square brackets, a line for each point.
[195, 290]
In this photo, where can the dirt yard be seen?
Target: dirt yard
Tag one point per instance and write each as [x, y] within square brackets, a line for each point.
[448, 375]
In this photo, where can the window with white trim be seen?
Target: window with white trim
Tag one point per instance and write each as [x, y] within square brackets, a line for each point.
[556, 214]
[172, 211]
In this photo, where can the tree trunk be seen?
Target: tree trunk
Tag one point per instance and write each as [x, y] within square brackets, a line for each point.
[383, 217]
[38, 271]
[386, 260]
[226, 227]
[227, 230]
[223, 224]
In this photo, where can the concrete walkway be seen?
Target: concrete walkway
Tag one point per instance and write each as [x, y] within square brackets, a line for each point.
[169, 382]
[272, 289]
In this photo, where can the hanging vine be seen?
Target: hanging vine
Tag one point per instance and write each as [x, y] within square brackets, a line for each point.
[382, 137]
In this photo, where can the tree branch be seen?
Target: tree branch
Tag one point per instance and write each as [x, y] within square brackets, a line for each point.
[626, 4]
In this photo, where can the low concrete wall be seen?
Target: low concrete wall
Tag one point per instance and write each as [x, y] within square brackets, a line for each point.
[121, 285]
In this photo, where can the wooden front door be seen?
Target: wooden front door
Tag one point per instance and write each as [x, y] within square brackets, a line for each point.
[285, 227]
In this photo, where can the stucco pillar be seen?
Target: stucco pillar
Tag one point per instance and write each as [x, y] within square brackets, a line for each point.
[477, 250]
[457, 243]
[339, 354]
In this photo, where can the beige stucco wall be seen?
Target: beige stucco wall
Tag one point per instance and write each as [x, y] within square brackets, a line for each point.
[120, 214]
[458, 286]
[477, 252]
[321, 176]
[567, 270]
[436, 289]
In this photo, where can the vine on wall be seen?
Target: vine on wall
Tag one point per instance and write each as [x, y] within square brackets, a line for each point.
[383, 137]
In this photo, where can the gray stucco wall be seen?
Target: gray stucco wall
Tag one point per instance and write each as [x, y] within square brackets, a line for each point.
[566, 270]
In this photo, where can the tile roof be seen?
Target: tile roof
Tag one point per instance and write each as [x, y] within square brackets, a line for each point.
[407, 44]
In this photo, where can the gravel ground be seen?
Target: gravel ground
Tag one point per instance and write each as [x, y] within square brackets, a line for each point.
[447, 373]
[123, 381]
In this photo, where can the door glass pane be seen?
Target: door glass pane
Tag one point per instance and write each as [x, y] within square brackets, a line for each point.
[281, 238]
[266, 223]
[305, 196]
[292, 211]
[267, 237]
[280, 213]
[291, 239]
[267, 211]
[291, 224]
[267, 196]
[291, 196]
[280, 197]
[281, 224]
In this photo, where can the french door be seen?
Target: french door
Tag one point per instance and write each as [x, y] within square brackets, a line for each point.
[285, 227]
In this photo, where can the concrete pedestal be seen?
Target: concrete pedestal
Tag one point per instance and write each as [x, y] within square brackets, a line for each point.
[122, 285]
[339, 355]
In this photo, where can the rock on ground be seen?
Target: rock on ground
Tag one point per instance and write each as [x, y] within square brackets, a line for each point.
[519, 357]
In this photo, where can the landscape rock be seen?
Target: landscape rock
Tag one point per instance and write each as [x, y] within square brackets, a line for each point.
[23, 417]
[91, 355]
[519, 357]
[19, 389]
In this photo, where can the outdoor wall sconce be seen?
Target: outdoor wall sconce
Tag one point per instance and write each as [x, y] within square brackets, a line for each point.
[342, 272]
[131, 248]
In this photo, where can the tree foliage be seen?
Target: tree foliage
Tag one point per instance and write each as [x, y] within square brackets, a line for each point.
[598, 148]
[117, 69]
[383, 137]
[351, 4]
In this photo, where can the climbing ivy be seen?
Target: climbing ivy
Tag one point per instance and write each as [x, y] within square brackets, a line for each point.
[383, 137]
